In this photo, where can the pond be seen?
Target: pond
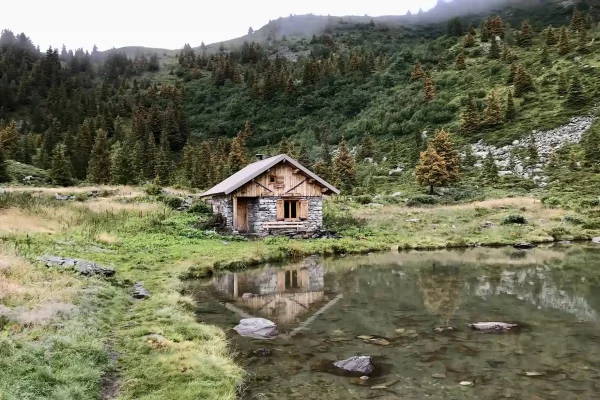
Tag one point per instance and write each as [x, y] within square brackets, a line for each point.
[388, 305]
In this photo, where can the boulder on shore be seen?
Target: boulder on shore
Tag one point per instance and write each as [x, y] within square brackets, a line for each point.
[257, 328]
[524, 246]
[357, 364]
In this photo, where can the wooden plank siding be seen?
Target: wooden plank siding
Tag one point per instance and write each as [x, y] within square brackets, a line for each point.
[288, 182]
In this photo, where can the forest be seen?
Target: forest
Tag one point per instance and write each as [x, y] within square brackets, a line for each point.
[353, 102]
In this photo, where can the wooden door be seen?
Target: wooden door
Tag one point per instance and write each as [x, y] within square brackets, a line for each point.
[242, 215]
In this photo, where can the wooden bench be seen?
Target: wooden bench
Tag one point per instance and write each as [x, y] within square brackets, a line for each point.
[286, 225]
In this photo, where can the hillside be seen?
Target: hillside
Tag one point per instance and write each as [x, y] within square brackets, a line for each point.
[378, 89]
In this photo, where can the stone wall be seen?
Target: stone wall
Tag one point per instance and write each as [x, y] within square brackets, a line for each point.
[546, 143]
[264, 209]
[223, 205]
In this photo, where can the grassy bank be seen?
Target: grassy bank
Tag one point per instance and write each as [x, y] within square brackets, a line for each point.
[155, 348]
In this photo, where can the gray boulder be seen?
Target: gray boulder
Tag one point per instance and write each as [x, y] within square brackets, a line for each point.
[84, 267]
[139, 291]
[257, 328]
[357, 364]
[596, 240]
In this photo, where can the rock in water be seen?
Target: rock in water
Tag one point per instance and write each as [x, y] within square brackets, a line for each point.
[596, 240]
[257, 328]
[491, 326]
[524, 246]
[357, 364]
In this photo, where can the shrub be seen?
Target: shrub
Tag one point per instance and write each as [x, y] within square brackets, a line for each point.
[590, 202]
[153, 190]
[570, 219]
[514, 219]
[342, 220]
[81, 197]
[172, 201]
[592, 224]
[200, 207]
[364, 199]
[551, 201]
[216, 221]
[559, 233]
[421, 199]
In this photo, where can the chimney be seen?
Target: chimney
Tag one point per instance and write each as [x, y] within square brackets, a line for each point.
[260, 157]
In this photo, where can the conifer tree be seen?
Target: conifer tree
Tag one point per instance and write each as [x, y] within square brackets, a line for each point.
[576, 95]
[417, 72]
[554, 162]
[512, 73]
[494, 53]
[523, 82]
[507, 55]
[489, 171]
[469, 160]
[439, 164]
[188, 161]
[461, 64]
[326, 153]
[582, 47]
[532, 151]
[149, 158]
[564, 42]
[591, 147]
[526, 35]
[472, 30]
[562, 84]
[367, 149]
[120, 169]
[4, 177]
[321, 169]
[394, 155]
[429, 90]
[573, 161]
[138, 164]
[99, 168]
[550, 36]
[545, 57]
[510, 112]
[304, 155]
[470, 118]
[577, 21]
[9, 139]
[238, 158]
[492, 115]
[344, 167]
[284, 146]
[60, 170]
[469, 40]
[162, 166]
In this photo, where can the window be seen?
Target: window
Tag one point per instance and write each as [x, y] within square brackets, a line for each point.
[290, 208]
[272, 178]
[291, 280]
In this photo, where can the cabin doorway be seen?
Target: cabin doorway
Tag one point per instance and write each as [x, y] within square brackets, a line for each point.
[242, 215]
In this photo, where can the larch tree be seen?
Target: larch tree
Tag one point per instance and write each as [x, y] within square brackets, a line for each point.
[576, 96]
[238, 157]
[344, 167]
[507, 54]
[163, 168]
[582, 43]
[460, 63]
[417, 72]
[550, 36]
[429, 90]
[591, 147]
[394, 156]
[439, 164]
[525, 35]
[469, 40]
[472, 30]
[304, 155]
[564, 42]
[492, 115]
[469, 159]
[563, 84]
[523, 82]
[510, 110]
[577, 21]
[99, 168]
[545, 57]
[512, 73]
[60, 170]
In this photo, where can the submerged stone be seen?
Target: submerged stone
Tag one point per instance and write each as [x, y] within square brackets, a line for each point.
[524, 246]
[357, 364]
[491, 326]
[257, 328]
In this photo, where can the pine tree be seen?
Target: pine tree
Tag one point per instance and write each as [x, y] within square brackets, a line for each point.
[532, 151]
[188, 161]
[469, 160]
[99, 167]
[367, 149]
[439, 164]
[461, 64]
[60, 170]
[163, 167]
[321, 170]
[326, 153]
[494, 53]
[9, 139]
[577, 21]
[545, 57]
[526, 35]
[238, 158]
[472, 30]
[582, 47]
[469, 40]
[512, 73]
[550, 36]
[489, 172]
[4, 177]
[573, 161]
[564, 42]
[304, 155]
[576, 96]
[591, 147]
[492, 115]
[429, 90]
[507, 55]
[510, 112]
[120, 169]
[344, 167]
[394, 156]
[417, 72]
[523, 82]
[138, 163]
[563, 85]
[284, 146]
[470, 118]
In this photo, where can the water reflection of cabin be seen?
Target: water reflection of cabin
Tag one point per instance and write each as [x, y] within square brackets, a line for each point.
[281, 295]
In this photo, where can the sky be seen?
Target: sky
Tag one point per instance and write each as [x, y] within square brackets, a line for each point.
[168, 23]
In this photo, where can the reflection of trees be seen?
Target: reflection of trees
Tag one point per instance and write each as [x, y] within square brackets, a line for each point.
[440, 286]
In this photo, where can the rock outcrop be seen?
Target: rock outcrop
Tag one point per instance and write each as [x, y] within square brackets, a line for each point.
[84, 267]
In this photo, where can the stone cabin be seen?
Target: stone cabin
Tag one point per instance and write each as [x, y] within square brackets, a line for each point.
[275, 194]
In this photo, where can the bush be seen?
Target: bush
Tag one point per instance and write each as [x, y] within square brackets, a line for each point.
[171, 201]
[590, 202]
[364, 199]
[551, 201]
[81, 197]
[592, 224]
[342, 220]
[559, 233]
[153, 190]
[570, 219]
[200, 207]
[421, 199]
[514, 219]
[216, 221]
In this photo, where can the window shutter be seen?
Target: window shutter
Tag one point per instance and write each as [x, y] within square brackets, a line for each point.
[303, 209]
[280, 213]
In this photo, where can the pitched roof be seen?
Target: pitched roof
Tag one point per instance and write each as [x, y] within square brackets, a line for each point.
[253, 170]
